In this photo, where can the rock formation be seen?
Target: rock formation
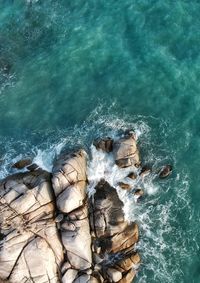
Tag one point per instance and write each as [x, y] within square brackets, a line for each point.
[51, 231]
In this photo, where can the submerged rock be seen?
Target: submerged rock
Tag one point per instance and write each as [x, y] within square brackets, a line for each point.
[113, 234]
[132, 176]
[138, 193]
[69, 184]
[165, 171]
[32, 167]
[124, 186]
[22, 163]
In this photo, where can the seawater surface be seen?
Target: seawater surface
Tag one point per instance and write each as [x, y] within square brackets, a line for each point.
[71, 71]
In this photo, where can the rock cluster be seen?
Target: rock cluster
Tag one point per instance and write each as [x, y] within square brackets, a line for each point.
[50, 231]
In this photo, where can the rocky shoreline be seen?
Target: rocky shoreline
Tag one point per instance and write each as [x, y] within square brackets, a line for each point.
[51, 230]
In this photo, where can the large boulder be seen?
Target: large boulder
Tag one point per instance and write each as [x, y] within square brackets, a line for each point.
[68, 170]
[30, 248]
[107, 217]
[76, 238]
[69, 184]
[125, 152]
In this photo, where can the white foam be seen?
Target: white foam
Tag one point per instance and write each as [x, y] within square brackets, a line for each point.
[44, 158]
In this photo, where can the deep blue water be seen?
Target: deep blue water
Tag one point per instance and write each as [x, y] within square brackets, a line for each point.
[72, 70]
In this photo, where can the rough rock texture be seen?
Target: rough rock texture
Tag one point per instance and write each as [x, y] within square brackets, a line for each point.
[69, 184]
[30, 245]
[165, 171]
[126, 152]
[105, 144]
[112, 235]
[51, 232]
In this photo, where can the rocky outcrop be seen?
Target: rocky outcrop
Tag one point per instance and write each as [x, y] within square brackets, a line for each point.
[51, 232]
[165, 171]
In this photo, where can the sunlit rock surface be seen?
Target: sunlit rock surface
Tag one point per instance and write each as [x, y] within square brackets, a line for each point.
[51, 231]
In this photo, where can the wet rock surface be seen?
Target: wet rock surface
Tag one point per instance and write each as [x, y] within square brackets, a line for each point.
[126, 152]
[165, 171]
[105, 144]
[51, 231]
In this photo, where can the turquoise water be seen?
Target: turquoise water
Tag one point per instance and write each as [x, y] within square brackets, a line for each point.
[73, 70]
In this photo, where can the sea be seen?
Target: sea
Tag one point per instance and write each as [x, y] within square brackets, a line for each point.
[75, 70]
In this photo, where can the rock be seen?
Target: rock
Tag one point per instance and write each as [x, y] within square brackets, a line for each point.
[139, 194]
[127, 262]
[126, 153]
[69, 276]
[132, 176]
[22, 163]
[113, 275]
[68, 170]
[65, 267]
[124, 186]
[77, 244]
[30, 237]
[105, 144]
[98, 277]
[32, 167]
[145, 171]
[128, 277]
[94, 280]
[108, 215]
[165, 171]
[69, 184]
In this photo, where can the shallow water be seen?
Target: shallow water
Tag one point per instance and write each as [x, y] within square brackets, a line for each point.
[74, 70]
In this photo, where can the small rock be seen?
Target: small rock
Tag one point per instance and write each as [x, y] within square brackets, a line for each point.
[124, 186]
[139, 192]
[165, 171]
[22, 163]
[32, 167]
[65, 267]
[69, 276]
[105, 144]
[132, 175]
[145, 171]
